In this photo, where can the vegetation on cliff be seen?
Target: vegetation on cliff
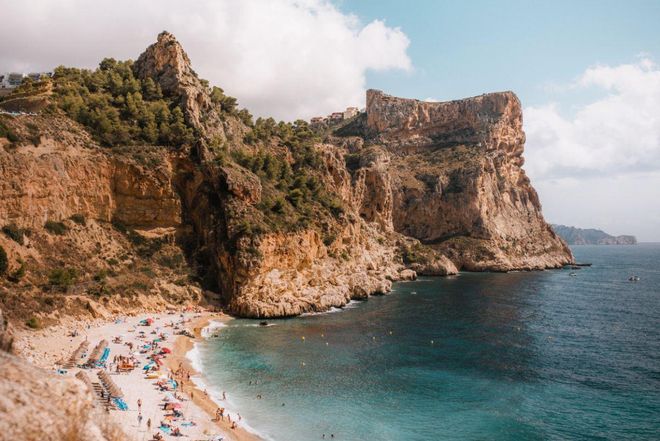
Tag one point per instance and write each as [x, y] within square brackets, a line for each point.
[118, 108]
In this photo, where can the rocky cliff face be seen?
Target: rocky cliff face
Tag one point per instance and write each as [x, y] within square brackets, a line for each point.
[408, 187]
[458, 183]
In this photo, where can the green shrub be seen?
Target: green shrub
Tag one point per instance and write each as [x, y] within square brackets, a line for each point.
[100, 276]
[62, 277]
[33, 322]
[79, 219]
[119, 226]
[4, 261]
[17, 275]
[118, 108]
[14, 233]
[34, 134]
[6, 132]
[57, 228]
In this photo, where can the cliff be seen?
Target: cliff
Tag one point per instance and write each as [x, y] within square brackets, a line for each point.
[458, 183]
[266, 219]
[591, 236]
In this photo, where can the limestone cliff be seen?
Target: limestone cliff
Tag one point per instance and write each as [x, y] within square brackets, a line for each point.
[270, 219]
[457, 180]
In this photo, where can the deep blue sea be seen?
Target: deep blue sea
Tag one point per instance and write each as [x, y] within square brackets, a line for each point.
[518, 356]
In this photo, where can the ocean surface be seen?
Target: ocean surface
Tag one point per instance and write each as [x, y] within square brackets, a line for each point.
[518, 356]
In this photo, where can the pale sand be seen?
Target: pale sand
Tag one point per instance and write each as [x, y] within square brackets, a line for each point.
[45, 348]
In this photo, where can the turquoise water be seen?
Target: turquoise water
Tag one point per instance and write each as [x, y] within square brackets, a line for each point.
[519, 356]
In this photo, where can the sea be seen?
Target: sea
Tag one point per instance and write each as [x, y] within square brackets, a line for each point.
[548, 355]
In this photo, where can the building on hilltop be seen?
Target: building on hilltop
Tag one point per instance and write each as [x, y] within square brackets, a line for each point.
[14, 79]
[335, 117]
[350, 112]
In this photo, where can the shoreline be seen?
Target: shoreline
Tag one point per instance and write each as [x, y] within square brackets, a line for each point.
[179, 358]
[50, 348]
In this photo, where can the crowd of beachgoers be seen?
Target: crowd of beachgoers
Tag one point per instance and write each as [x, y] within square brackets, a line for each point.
[138, 371]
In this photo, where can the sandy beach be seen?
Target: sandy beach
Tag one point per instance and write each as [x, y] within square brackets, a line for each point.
[51, 348]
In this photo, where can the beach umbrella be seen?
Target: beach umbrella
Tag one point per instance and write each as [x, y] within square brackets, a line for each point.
[166, 350]
[176, 406]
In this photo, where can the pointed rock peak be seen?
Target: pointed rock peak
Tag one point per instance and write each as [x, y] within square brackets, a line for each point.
[167, 63]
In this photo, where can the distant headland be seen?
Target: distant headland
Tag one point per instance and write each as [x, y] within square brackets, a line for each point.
[591, 236]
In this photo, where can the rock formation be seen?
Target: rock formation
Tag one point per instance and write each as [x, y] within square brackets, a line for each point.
[458, 183]
[45, 406]
[407, 187]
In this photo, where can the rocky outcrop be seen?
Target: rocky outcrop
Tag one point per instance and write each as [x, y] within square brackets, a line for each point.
[166, 63]
[64, 406]
[47, 407]
[458, 183]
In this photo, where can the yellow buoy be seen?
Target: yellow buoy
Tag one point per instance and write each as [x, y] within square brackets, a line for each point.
[303, 337]
[432, 342]
[326, 343]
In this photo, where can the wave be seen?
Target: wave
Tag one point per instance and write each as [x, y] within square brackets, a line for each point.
[209, 330]
[200, 381]
[350, 305]
[195, 357]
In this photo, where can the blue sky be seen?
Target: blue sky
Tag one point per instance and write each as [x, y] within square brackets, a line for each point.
[465, 48]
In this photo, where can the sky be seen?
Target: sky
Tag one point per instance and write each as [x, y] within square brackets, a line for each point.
[587, 73]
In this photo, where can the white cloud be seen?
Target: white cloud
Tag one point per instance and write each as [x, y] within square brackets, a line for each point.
[282, 58]
[618, 133]
[600, 167]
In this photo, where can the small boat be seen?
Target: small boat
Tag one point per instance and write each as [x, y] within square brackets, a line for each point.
[633, 279]
[263, 323]
[572, 274]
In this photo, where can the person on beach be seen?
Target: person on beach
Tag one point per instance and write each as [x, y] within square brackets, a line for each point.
[139, 404]
[139, 419]
[224, 396]
[239, 416]
[233, 425]
[148, 424]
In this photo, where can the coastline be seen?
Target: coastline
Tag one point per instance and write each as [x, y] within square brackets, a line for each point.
[49, 348]
[179, 358]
